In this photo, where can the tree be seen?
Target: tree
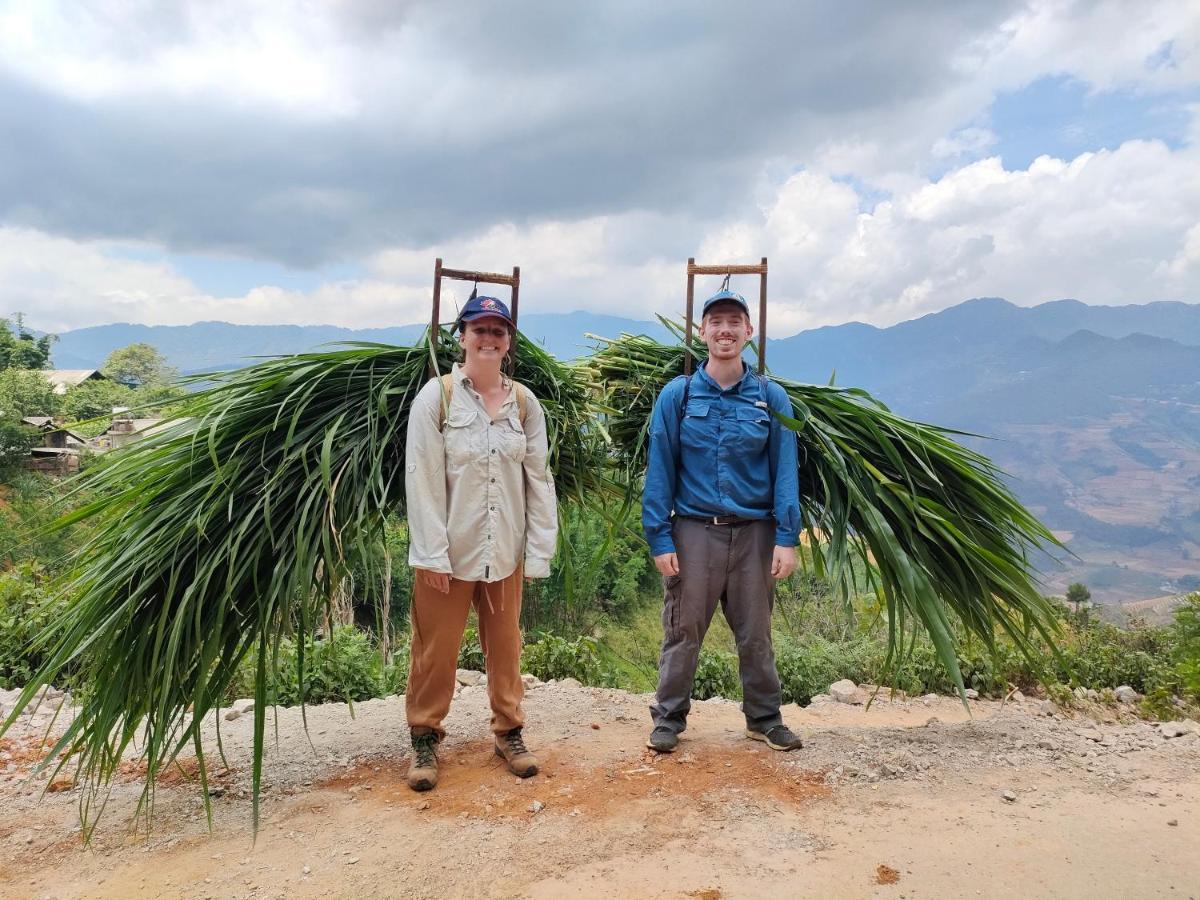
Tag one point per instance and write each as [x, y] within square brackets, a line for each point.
[25, 393]
[15, 443]
[138, 365]
[1078, 594]
[22, 350]
[156, 399]
[91, 399]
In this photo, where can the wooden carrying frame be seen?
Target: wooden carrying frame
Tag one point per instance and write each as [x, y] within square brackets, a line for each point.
[760, 270]
[513, 281]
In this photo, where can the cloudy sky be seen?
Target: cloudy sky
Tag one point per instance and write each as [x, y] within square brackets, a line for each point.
[302, 161]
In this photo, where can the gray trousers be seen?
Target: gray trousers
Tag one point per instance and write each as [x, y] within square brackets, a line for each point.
[730, 564]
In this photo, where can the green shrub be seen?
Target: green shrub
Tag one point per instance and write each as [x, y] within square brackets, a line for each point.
[1104, 656]
[470, 652]
[394, 677]
[1061, 694]
[26, 608]
[15, 443]
[716, 676]
[993, 674]
[551, 656]
[344, 666]
[809, 666]
[1185, 656]
[31, 502]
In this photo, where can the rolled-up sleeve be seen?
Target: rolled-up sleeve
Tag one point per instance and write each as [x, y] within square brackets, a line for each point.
[784, 475]
[541, 505]
[425, 483]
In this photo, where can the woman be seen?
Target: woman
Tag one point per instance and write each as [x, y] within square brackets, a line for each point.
[481, 513]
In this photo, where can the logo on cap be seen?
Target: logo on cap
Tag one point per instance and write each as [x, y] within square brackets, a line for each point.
[487, 303]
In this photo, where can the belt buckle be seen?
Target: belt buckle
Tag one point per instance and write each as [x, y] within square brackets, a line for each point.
[717, 520]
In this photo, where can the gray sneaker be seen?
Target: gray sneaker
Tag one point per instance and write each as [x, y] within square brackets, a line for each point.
[663, 740]
[778, 737]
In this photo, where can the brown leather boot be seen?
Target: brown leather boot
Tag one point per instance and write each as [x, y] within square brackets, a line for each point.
[511, 746]
[423, 766]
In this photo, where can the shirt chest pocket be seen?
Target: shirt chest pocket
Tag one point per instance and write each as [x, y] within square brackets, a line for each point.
[509, 438]
[753, 425]
[461, 437]
[698, 427]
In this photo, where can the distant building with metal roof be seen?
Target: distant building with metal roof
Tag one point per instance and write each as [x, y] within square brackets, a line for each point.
[61, 380]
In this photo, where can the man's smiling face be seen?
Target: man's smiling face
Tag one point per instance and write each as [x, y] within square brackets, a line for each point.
[726, 329]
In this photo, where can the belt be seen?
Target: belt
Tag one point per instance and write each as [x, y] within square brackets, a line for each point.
[722, 520]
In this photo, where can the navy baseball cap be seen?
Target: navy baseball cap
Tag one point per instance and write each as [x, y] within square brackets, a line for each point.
[725, 297]
[477, 307]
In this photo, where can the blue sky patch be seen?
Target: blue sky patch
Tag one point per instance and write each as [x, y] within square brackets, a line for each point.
[1058, 116]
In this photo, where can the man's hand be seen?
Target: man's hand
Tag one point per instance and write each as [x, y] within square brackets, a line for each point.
[439, 581]
[783, 562]
[667, 563]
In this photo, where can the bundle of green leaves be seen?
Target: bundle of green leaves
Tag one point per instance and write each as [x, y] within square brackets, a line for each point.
[235, 526]
[930, 522]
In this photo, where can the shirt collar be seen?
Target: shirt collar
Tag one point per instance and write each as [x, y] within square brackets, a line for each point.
[460, 377]
[702, 370]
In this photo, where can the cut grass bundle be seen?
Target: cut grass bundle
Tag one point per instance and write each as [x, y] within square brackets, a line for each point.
[233, 527]
[943, 536]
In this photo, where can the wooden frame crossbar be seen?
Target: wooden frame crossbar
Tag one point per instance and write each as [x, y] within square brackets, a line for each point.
[440, 272]
[760, 270]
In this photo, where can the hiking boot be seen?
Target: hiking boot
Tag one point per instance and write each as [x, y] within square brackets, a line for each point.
[511, 746]
[663, 739]
[777, 737]
[423, 767]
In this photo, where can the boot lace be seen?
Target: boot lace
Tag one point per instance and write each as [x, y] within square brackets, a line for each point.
[424, 752]
[514, 742]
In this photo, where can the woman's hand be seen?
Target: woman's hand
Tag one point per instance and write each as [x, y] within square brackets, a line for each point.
[439, 581]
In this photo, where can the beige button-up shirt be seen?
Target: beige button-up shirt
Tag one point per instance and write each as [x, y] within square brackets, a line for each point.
[480, 495]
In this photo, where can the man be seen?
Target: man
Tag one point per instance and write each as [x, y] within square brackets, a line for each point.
[721, 512]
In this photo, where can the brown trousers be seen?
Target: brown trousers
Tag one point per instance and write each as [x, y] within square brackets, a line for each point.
[438, 621]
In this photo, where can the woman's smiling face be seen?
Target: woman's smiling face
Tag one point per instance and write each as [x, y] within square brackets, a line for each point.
[486, 338]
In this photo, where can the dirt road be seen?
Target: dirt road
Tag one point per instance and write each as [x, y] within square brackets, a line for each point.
[910, 799]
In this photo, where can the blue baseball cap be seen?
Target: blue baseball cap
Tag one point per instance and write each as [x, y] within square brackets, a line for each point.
[478, 307]
[725, 297]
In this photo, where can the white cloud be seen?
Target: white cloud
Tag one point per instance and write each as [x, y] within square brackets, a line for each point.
[970, 141]
[106, 49]
[599, 154]
[1109, 227]
[1107, 43]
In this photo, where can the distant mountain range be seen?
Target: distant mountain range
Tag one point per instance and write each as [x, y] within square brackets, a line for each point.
[1096, 409]
[210, 346]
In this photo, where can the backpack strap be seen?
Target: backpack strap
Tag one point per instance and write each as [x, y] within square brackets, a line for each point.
[522, 393]
[687, 391]
[447, 394]
[522, 400]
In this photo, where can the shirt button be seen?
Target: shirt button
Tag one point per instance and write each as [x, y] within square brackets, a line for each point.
[492, 508]
[493, 480]
[493, 452]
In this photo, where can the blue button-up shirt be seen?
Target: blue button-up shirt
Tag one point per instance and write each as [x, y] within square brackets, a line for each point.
[724, 455]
